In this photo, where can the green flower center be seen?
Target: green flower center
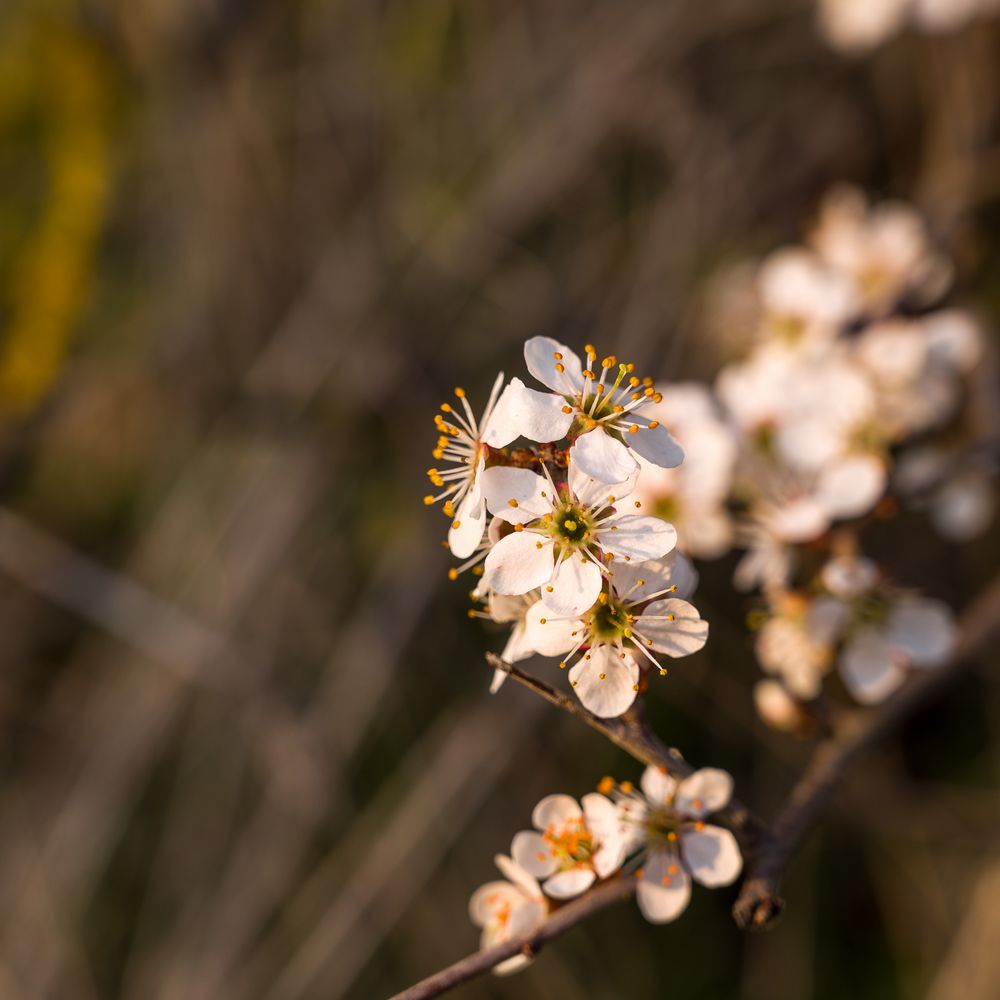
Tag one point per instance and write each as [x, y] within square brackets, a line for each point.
[609, 620]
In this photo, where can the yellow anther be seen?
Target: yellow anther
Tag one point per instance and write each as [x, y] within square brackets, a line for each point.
[567, 409]
[446, 407]
[638, 503]
[560, 368]
[449, 508]
[589, 348]
[471, 613]
[570, 525]
[673, 588]
[609, 362]
[634, 382]
[663, 671]
[635, 687]
[699, 826]
[633, 428]
[587, 373]
[657, 397]
[548, 588]
[460, 392]
[512, 502]
[617, 409]
[478, 570]
[538, 545]
[648, 393]
[558, 355]
[600, 390]
[601, 677]
[606, 784]
[519, 527]
[649, 642]
[671, 618]
[428, 500]
[642, 583]
[456, 525]
[636, 396]
[611, 499]
[671, 835]
[542, 621]
[453, 574]
[627, 787]
[639, 872]
[647, 380]
[562, 666]
[614, 527]
[653, 424]
[602, 597]
[630, 366]
[673, 869]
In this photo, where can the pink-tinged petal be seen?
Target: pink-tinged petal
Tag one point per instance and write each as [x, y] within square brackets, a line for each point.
[636, 537]
[924, 629]
[657, 786]
[514, 873]
[566, 885]
[664, 889]
[533, 854]
[524, 412]
[851, 486]
[871, 668]
[548, 635]
[556, 811]
[604, 683]
[601, 457]
[594, 493]
[531, 494]
[518, 563]
[488, 899]
[575, 585]
[712, 855]
[681, 635]
[605, 826]
[706, 791]
[655, 444]
[540, 358]
[470, 519]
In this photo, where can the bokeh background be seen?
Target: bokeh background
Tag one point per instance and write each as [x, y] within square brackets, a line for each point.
[246, 247]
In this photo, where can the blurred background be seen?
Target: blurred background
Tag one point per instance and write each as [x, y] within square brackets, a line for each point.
[246, 248]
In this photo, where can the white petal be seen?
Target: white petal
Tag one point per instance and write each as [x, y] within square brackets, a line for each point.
[673, 569]
[489, 898]
[612, 694]
[566, 885]
[601, 457]
[851, 486]
[711, 855]
[499, 676]
[664, 889]
[657, 786]
[706, 791]
[924, 629]
[556, 811]
[513, 872]
[594, 493]
[530, 492]
[518, 563]
[604, 824]
[519, 646]
[549, 636]
[504, 608]
[539, 356]
[471, 520]
[636, 537]
[500, 425]
[533, 854]
[870, 668]
[575, 586]
[524, 412]
[523, 919]
[682, 636]
[655, 444]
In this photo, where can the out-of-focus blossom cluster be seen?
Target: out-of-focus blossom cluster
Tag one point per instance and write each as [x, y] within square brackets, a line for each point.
[857, 26]
[656, 833]
[860, 395]
[554, 529]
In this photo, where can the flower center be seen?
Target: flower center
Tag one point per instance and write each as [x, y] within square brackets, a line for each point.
[571, 525]
[609, 620]
[571, 846]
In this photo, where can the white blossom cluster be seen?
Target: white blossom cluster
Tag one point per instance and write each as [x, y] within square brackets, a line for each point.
[656, 833]
[857, 26]
[564, 552]
[859, 396]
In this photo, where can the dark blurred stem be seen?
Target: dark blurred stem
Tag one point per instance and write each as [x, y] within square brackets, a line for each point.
[606, 894]
[856, 732]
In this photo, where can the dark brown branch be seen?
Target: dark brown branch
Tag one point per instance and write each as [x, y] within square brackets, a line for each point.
[604, 895]
[754, 908]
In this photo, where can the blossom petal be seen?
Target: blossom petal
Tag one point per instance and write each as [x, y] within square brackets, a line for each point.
[518, 647]
[657, 786]
[548, 635]
[575, 585]
[656, 575]
[523, 919]
[674, 627]
[851, 486]
[540, 357]
[556, 811]
[531, 494]
[518, 563]
[514, 873]
[636, 537]
[533, 854]
[655, 444]
[524, 412]
[489, 898]
[605, 683]
[664, 889]
[601, 457]
[566, 885]
[470, 519]
[604, 823]
[593, 493]
[706, 791]
[870, 667]
[924, 629]
[712, 855]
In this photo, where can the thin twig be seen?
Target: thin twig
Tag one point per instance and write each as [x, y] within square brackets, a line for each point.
[583, 907]
[754, 908]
